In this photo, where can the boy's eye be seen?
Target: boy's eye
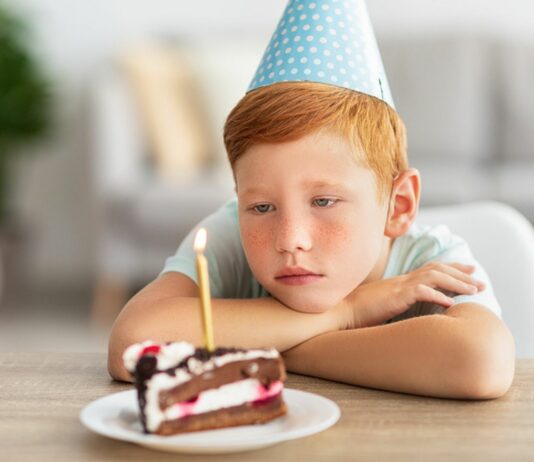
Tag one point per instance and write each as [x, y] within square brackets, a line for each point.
[323, 202]
[262, 208]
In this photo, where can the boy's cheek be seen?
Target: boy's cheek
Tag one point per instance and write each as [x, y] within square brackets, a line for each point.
[334, 235]
[337, 229]
[256, 239]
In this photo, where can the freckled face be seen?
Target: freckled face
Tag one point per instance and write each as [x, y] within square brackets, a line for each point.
[311, 225]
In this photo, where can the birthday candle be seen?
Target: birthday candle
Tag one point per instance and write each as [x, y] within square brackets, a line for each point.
[204, 288]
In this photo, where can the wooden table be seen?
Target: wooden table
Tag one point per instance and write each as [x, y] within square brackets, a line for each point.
[41, 396]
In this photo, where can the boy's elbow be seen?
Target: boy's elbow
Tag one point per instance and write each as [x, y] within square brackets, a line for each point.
[487, 368]
[488, 382]
[116, 347]
[116, 368]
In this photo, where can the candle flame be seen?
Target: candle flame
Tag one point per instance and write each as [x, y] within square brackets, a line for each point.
[200, 240]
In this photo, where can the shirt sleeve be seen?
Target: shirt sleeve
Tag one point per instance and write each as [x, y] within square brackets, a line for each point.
[229, 272]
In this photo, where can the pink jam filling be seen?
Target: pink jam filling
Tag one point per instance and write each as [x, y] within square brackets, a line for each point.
[187, 408]
[153, 349]
[266, 393]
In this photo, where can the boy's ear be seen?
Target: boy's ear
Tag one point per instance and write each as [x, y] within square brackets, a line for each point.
[403, 203]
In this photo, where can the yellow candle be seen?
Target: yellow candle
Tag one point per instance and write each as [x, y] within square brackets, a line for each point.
[204, 288]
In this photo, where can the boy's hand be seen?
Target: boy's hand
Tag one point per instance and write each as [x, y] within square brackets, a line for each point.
[373, 303]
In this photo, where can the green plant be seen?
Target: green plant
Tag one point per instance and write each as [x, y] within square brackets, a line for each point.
[24, 96]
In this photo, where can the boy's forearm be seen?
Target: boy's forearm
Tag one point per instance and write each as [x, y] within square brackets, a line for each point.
[439, 355]
[250, 323]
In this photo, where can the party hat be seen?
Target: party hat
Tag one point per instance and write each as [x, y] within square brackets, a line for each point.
[326, 41]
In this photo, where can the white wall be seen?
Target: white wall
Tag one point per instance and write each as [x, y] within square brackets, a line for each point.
[504, 18]
[76, 38]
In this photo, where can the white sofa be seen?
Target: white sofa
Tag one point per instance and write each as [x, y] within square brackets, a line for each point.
[468, 106]
[466, 102]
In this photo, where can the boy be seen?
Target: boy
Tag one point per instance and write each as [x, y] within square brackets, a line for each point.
[319, 255]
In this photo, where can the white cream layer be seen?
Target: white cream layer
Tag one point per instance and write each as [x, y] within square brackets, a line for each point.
[199, 367]
[232, 394]
[169, 355]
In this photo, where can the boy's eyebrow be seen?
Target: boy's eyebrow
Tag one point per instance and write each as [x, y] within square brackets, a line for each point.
[308, 184]
[251, 191]
[321, 184]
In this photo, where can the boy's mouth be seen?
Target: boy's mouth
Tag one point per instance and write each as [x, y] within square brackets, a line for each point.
[296, 276]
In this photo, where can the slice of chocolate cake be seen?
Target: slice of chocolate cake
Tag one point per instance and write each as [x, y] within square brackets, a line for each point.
[181, 388]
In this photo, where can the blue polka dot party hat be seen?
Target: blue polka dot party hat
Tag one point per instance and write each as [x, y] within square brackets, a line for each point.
[326, 41]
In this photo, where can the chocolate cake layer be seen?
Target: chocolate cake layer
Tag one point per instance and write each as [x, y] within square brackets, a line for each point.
[264, 370]
[245, 414]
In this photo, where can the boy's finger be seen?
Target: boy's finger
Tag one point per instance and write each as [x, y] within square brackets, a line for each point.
[463, 267]
[452, 282]
[456, 272]
[430, 295]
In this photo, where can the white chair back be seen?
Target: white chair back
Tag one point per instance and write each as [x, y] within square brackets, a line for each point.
[502, 240]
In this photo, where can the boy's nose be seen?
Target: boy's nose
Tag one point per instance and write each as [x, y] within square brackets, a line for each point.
[293, 235]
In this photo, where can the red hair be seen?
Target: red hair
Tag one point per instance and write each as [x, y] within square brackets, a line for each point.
[287, 111]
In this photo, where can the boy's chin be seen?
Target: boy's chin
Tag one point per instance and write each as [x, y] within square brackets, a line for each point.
[307, 306]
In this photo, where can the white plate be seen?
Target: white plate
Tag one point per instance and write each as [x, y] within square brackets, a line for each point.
[117, 416]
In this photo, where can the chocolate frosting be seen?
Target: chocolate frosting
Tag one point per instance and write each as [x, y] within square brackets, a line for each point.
[147, 365]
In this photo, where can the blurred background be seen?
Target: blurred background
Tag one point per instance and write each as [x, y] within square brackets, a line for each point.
[111, 115]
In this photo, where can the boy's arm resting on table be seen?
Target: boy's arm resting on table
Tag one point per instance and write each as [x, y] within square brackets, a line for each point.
[467, 352]
[168, 310]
